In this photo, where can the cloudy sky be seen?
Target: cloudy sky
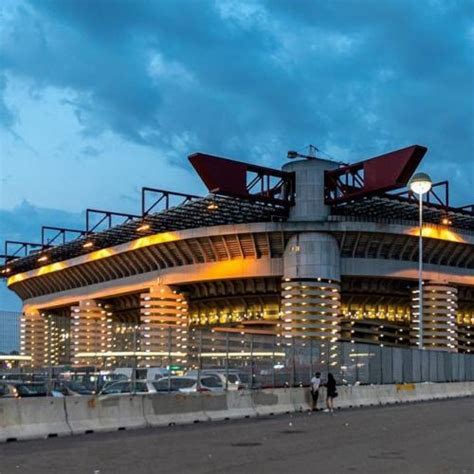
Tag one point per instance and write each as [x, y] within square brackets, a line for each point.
[99, 98]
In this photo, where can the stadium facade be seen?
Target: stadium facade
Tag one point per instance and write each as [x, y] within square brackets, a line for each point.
[318, 250]
[9, 332]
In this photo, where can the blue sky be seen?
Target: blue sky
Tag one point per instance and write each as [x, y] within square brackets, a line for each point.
[99, 98]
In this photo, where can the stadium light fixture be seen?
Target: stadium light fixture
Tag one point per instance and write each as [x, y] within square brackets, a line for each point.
[143, 228]
[420, 184]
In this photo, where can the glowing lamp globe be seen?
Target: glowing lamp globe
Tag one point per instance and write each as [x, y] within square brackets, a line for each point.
[420, 183]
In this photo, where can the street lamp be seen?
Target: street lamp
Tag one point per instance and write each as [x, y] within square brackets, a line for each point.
[420, 184]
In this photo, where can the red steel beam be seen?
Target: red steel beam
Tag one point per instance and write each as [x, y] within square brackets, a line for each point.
[373, 176]
[231, 178]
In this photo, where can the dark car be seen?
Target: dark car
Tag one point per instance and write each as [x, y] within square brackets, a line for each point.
[26, 389]
[71, 387]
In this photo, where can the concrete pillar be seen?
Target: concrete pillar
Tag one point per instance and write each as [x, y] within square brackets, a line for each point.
[309, 189]
[439, 316]
[32, 338]
[311, 287]
[90, 333]
[164, 325]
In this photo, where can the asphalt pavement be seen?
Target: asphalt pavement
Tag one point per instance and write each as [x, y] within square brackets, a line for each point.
[429, 437]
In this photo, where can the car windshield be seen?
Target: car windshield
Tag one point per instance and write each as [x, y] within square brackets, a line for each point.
[31, 389]
[119, 387]
[245, 378]
[161, 386]
[211, 382]
[184, 383]
[141, 387]
[141, 373]
[78, 388]
[174, 384]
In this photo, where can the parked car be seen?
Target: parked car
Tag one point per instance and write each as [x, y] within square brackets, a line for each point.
[143, 373]
[236, 380]
[23, 377]
[189, 384]
[24, 389]
[96, 381]
[117, 388]
[8, 390]
[71, 387]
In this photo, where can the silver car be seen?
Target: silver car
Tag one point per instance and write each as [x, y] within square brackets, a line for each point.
[125, 387]
[189, 384]
[231, 379]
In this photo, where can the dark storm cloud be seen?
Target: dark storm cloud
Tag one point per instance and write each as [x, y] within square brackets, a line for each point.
[24, 222]
[254, 79]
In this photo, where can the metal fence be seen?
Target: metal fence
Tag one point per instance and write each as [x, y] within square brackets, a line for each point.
[259, 361]
[293, 363]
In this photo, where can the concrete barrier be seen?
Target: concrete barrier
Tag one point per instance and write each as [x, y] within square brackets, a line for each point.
[387, 394]
[240, 404]
[29, 418]
[107, 413]
[170, 409]
[215, 406]
[272, 401]
[457, 389]
[301, 398]
[357, 396]
[409, 392]
[345, 398]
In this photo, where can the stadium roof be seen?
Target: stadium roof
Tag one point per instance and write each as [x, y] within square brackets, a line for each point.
[203, 212]
[388, 206]
[245, 193]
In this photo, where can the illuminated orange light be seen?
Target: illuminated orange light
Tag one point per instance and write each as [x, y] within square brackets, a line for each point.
[437, 233]
[43, 258]
[143, 227]
[212, 206]
[88, 245]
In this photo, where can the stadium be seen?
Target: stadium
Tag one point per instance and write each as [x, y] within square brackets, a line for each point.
[318, 250]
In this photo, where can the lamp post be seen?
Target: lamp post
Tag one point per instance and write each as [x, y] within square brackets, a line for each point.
[420, 184]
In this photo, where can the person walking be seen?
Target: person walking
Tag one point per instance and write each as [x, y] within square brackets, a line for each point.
[331, 393]
[315, 384]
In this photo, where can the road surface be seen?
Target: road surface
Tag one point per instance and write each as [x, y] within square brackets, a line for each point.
[430, 437]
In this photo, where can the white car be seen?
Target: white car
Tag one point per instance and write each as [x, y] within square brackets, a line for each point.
[235, 380]
[125, 387]
[189, 384]
[142, 373]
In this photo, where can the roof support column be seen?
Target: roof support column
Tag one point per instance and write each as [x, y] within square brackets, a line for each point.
[311, 286]
[309, 193]
[311, 292]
